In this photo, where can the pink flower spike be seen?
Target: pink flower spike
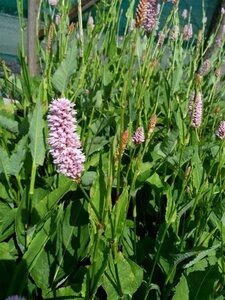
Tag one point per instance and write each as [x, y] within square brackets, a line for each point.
[195, 110]
[63, 139]
[53, 2]
[185, 14]
[139, 136]
[187, 32]
[220, 132]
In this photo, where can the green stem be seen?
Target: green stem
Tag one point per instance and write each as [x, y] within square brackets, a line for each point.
[90, 202]
[156, 261]
[33, 176]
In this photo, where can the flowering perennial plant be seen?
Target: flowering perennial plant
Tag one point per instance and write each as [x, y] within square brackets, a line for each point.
[64, 141]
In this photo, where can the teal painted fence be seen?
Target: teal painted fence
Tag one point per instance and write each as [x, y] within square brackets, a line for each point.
[9, 24]
[9, 6]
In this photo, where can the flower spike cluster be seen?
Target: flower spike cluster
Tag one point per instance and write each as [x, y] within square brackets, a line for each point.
[195, 110]
[147, 14]
[139, 136]
[220, 132]
[64, 141]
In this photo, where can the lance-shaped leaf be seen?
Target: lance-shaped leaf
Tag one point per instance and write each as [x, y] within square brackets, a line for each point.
[17, 158]
[37, 146]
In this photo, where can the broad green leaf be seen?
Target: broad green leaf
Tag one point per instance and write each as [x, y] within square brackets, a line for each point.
[169, 143]
[181, 290]
[88, 177]
[7, 267]
[202, 281]
[129, 274]
[71, 225]
[21, 221]
[107, 75]
[48, 203]
[30, 257]
[197, 170]
[145, 171]
[36, 136]
[96, 144]
[7, 219]
[177, 77]
[155, 180]
[17, 158]
[201, 255]
[4, 161]
[8, 123]
[120, 213]
[171, 212]
[98, 193]
[68, 293]
[67, 68]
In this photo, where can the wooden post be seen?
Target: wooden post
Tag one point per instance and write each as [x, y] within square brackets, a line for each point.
[33, 62]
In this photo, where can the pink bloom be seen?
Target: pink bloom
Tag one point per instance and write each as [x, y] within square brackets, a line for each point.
[195, 109]
[91, 23]
[57, 19]
[174, 32]
[187, 32]
[184, 14]
[222, 10]
[139, 136]
[53, 2]
[161, 38]
[205, 67]
[64, 141]
[152, 11]
[147, 14]
[220, 132]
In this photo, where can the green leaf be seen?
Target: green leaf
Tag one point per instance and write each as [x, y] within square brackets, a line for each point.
[72, 225]
[98, 193]
[7, 267]
[88, 178]
[8, 123]
[177, 77]
[181, 290]
[30, 257]
[171, 212]
[4, 161]
[7, 219]
[36, 136]
[43, 207]
[67, 68]
[201, 255]
[107, 75]
[197, 170]
[120, 213]
[17, 158]
[129, 274]
[155, 180]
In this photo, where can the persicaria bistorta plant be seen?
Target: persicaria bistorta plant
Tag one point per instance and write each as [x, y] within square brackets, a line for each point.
[63, 139]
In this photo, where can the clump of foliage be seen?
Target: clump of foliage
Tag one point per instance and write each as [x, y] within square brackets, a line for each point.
[146, 220]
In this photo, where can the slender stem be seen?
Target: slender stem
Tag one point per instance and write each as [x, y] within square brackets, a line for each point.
[33, 176]
[81, 29]
[90, 202]
[156, 261]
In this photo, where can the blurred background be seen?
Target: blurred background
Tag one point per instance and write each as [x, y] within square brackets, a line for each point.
[10, 30]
